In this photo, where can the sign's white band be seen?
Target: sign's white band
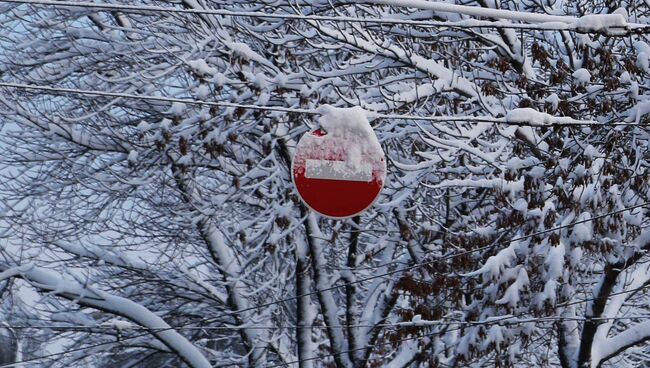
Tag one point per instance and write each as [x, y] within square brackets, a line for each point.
[337, 170]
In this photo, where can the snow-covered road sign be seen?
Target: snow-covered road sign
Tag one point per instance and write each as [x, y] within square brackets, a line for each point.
[339, 169]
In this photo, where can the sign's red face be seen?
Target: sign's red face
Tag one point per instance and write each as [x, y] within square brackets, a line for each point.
[338, 176]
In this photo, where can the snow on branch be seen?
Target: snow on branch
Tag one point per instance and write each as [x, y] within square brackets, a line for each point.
[606, 349]
[496, 263]
[49, 281]
[532, 117]
[95, 252]
[612, 24]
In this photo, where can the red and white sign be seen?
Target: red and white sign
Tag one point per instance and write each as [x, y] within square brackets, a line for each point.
[339, 171]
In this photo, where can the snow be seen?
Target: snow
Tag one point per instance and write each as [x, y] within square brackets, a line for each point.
[642, 61]
[611, 24]
[495, 334]
[74, 318]
[347, 128]
[219, 79]
[554, 269]
[133, 157]
[511, 296]
[231, 269]
[625, 77]
[521, 205]
[406, 354]
[555, 261]
[325, 298]
[554, 100]
[177, 109]
[84, 295]
[446, 79]
[260, 81]
[479, 11]
[281, 80]
[201, 67]
[244, 51]
[185, 160]
[536, 118]
[581, 76]
[119, 324]
[340, 122]
[107, 255]
[221, 237]
[338, 170]
[165, 124]
[583, 231]
[604, 348]
[202, 91]
[143, 126]
[642, 46]
[511, 187]
[635, 278]
[495, 264]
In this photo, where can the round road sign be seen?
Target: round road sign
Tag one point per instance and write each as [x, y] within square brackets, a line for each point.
[339, 169]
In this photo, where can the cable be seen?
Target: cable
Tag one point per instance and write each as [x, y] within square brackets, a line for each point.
[406, 324]
[36, 359]
[433, 323]
[436, 333]
[451, 256]
[472, 119]
[374, 276]
[156, 98]
[396, 325]
[471, 323]
[417, 324]
[15, 364]
[466, 24]
[462, 324]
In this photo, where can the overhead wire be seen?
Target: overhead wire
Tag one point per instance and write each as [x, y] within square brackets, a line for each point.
[437, 260]
[126, 8]
[315, 112]
[403, 270]
[73, 350]
[372, 115]
[398, 325]
[496, 320]
[423, 324]
[390, 342]
[406, 324]
[463, 24]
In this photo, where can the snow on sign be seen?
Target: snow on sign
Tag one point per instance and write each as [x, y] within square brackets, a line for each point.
[339, 169]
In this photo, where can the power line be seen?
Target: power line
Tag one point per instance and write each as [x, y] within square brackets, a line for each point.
[476, 323]
[470, 119]
[437, 260]
[37, 359]
[461, 325]
[508, 319]
[305, 111]
[464, 24]
[429, 262]
[155, 98]
[435, 333]
[505, 319]
[406, 324]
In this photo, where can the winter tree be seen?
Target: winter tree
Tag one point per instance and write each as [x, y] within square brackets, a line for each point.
[148, 217]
